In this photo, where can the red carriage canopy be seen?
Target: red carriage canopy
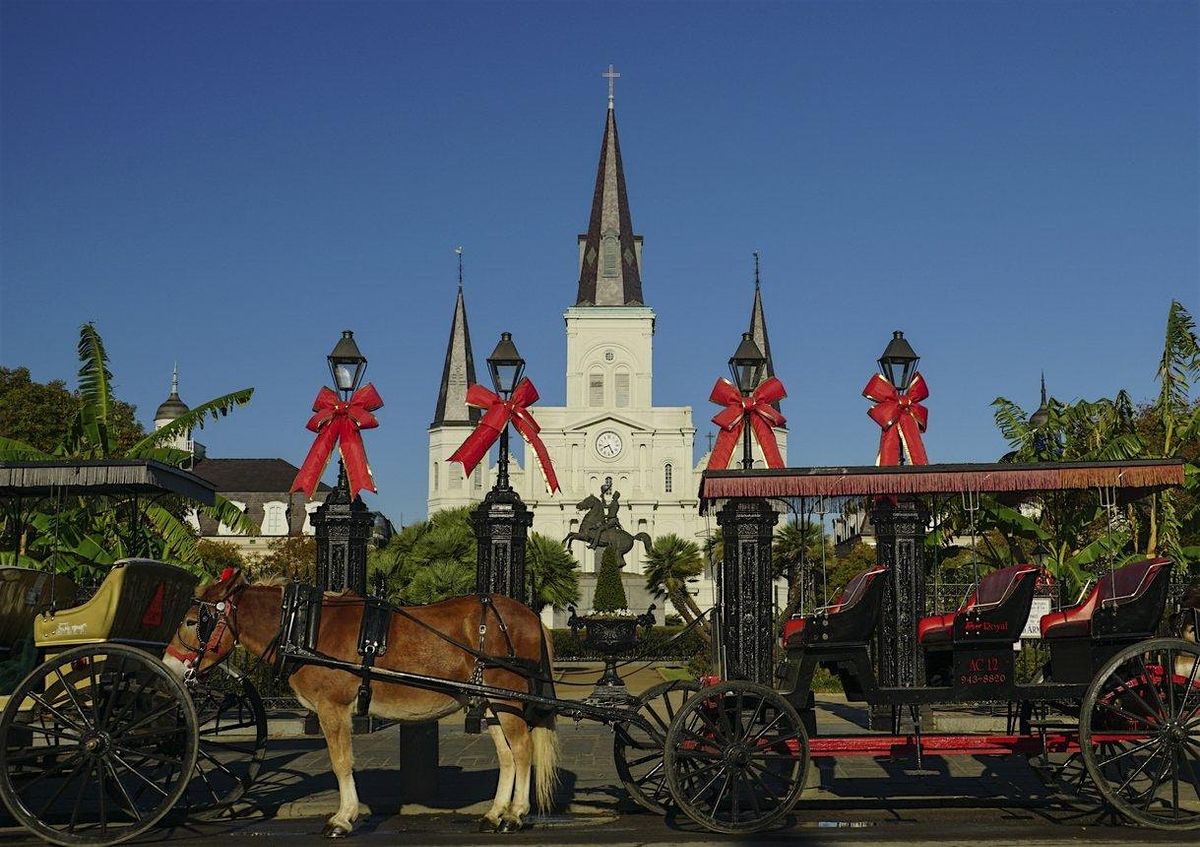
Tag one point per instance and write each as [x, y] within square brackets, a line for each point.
[1131, 478]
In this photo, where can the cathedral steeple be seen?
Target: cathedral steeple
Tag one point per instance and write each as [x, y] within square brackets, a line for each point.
[610, 254]
[459, 369]
[758, 325]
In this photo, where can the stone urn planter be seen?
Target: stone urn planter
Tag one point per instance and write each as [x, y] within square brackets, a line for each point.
[612, 636]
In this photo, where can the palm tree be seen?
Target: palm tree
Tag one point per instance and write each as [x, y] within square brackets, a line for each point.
[552, 571]
[88, 534]
[670, 563]
[794, 552]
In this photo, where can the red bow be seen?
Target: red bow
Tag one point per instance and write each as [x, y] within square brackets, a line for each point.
[901, 417]
[497, 416]
[336, 422]
[763, 418]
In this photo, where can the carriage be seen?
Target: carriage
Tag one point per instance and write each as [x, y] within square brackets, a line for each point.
[730, 752]
[98, 741]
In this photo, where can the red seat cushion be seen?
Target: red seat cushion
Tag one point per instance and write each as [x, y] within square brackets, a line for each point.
[793, 629]
[936, 629]
[1122, 585]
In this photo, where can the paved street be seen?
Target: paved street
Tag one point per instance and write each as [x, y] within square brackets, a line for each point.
[851, 801]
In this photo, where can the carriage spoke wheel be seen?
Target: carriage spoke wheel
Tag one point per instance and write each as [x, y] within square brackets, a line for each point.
[736, 757]
[1140, 733]
[96, 745]
[233, 742]
[638, 753]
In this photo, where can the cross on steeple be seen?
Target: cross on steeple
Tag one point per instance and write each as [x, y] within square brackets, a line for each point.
[611, 75]
[459, 251]
[755, 270]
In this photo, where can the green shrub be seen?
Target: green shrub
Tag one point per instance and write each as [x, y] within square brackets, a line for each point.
[610, 593]
[657, 645]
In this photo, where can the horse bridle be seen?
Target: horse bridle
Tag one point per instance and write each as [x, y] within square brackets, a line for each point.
[213, 619]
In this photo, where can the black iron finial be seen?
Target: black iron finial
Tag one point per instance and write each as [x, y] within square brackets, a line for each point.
[756, 270]
[1043, 389]
[459, 252]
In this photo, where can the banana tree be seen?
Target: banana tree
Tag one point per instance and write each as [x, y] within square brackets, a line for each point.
[85, 533]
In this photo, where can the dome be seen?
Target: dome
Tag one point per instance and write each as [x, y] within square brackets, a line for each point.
[172, 407]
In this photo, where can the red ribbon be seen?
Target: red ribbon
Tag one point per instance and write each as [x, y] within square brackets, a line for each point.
[337, 422]
[901, 417]
[762, 415]
[497, 415]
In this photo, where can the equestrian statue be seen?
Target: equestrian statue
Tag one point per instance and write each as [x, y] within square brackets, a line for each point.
[601, 523]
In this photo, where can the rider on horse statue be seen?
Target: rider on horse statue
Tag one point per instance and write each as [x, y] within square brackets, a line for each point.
[611, 514]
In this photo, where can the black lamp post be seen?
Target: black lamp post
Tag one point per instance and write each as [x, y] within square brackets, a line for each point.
[900, 525]
[506, 367]
[501, 522]
[1040, 554]
[747, 364]
[343, 526]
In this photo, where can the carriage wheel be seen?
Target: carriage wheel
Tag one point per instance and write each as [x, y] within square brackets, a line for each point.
[233, 742]
[736, 757]
[1140, 733]
[96, 745]
[638, 754]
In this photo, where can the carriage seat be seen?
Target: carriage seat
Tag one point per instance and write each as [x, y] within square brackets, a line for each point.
[994, 609]
[1121, 592]
[851, 617]
[23, 593]
[141, 601]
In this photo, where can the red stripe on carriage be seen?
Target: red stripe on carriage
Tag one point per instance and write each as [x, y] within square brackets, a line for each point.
[154, 611]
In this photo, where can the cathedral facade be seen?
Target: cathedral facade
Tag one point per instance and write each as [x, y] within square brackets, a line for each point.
[609, 427]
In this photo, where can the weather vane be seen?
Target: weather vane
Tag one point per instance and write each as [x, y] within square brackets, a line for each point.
[611, 75]
[458, 251]
[756, 269]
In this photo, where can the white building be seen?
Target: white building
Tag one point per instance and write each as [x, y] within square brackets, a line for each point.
[609, 425]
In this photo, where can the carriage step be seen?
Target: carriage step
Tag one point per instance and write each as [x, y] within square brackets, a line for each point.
[1054, 725]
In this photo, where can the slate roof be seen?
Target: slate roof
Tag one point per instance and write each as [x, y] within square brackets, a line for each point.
[244, 475]
[458, 372]
[758, 331]
[610, 215]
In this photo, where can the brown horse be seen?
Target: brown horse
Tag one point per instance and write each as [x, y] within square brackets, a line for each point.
[250, 615]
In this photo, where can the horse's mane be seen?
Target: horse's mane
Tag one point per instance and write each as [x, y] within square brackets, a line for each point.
[275, 581]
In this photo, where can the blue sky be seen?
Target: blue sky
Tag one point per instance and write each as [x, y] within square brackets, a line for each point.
[229, 185]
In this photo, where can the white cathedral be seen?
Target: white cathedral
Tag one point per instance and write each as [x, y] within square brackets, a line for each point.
[609, 426]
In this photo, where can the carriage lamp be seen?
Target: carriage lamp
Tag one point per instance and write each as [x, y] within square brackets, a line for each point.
[347, 364]
[899, 361]
[1040, 555]
[746, 364]
[506, 366]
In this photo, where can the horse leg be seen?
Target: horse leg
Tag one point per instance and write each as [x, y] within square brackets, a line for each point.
[335, 725]
[491, 821]
[516, 731]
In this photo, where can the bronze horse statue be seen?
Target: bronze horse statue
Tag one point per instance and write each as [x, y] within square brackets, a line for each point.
[424, 643]
[606, 536]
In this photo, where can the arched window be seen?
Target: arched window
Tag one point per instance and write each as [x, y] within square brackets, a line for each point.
[610, 254]
[435, 476]
[667, 477]
[478, 475]
[621, 384]
[596, 388]
[275, 518]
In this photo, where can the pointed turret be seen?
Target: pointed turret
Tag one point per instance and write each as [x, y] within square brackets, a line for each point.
[610, 254]
[459, 370]
[758, 326]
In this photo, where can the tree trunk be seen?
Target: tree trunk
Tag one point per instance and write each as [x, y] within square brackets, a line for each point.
[694, 610]
[789, 609]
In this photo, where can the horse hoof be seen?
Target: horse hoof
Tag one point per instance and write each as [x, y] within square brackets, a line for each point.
[334, 830]
[488, 825]
[509, 826]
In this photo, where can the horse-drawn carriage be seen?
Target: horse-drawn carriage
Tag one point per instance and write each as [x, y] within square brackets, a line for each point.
[98, 740]
[730, 753]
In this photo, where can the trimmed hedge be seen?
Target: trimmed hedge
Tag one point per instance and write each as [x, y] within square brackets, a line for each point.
[569, 648]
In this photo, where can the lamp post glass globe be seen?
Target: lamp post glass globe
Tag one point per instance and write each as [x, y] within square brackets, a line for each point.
[347, 364]
[747, 364]
[506, 365]
[898, 362]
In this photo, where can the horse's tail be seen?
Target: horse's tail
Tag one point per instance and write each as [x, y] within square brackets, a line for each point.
[545, 741]
[645, 539]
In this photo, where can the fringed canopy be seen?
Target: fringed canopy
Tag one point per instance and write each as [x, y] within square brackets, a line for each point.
[1132, 479]
[51, 479]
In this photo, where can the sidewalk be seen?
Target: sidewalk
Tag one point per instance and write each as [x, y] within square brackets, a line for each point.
[295, 780]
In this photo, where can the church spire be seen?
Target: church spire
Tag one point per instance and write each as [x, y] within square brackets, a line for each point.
[609, 267]
[758, 325]
[459, 370]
